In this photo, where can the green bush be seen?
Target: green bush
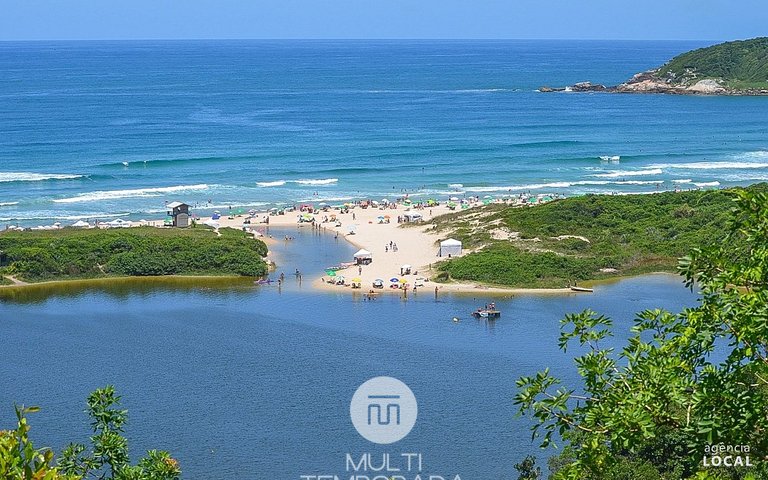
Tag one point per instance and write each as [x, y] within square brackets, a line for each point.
[631, 233]
[74, 253]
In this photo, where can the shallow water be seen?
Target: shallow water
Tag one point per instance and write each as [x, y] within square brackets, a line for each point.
[255, 382]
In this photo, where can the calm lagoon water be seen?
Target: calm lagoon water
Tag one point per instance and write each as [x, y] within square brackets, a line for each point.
[255, 382]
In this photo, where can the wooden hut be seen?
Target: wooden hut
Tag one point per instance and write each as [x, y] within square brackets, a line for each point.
[179, 213]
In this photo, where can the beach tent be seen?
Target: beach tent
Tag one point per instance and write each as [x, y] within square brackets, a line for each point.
[363, 257]
[412, 217]
[450, 247]
[81, 224]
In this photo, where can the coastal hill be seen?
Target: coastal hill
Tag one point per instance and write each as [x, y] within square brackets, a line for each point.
[730, 68]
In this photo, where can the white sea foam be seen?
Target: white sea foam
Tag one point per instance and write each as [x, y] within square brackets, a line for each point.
[34, 177]
[535, 186]
[455, 185]
[324, 199]
[684, 180]
[276, 183]
[754, 154]
[139, 192]
[7, 204]
[51, 215]
[712, 165]
[322, 181]
[638, 182]
[205, 206]
[629, 173]
[707, 184]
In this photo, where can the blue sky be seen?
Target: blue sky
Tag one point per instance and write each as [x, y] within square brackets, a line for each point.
[311, 19]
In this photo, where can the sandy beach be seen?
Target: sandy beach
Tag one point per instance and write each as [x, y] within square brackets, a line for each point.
[412, 244]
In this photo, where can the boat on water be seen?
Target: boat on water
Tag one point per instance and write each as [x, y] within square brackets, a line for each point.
[488, 312]
[582, 289]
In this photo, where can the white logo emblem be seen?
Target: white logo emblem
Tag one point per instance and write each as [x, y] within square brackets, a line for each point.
[383, 410]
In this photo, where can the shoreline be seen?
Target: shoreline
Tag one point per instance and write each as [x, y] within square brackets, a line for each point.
[212, 279]
[373, 229]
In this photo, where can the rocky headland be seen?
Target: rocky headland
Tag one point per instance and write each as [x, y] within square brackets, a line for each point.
[731, 68]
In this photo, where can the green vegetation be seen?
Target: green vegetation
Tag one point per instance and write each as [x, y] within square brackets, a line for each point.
[682, 384]
[74, 253]
[740, 64]
[584, 238]
[107, 460]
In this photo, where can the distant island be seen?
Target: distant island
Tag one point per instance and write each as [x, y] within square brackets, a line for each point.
[730, 68]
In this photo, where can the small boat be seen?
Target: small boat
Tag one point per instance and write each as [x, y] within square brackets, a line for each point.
[582, 289]
[481, 313]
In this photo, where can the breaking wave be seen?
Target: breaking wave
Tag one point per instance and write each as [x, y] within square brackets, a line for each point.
[322, 181]
[629, 173]
[712, 165]
[139, 192]
[707, 184]
[35, 177]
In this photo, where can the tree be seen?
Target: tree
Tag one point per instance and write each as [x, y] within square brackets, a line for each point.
[19, 460]
[528, 469]
[682, 383]
[109, 456]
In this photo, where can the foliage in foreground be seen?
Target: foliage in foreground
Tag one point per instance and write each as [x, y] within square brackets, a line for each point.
[683, 382]
[626, 235]
[108, 458]
[143, 251]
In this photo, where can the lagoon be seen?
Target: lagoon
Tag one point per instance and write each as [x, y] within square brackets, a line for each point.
[239, 381]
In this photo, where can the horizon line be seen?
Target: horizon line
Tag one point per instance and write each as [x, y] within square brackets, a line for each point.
[379, 39]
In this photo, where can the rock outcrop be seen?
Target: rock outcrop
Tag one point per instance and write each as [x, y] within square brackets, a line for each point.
[730, 68]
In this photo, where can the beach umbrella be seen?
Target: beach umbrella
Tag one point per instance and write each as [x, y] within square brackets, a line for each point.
[330, 273]
[379, 280]
[357, 280]
[402, 280]
[394, 280]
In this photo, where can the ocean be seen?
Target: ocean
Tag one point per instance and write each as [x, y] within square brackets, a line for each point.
[97, 130]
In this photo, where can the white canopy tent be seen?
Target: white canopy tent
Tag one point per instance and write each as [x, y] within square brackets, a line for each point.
[363, 257]
[450, 247]
[412, 217]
